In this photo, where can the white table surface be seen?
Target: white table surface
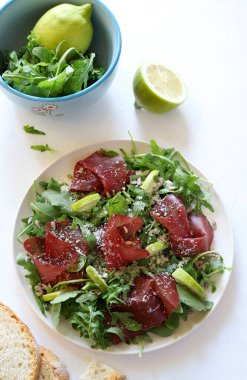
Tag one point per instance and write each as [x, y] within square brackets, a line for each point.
[206, 42]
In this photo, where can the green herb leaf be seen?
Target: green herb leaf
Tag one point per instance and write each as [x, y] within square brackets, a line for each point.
[127, 320]
[65, 296]
[192, 301]
[38, 71]
[117, 205]
[32, 130]
[55, 313]
[44, 212]
[42, 148]
[33, 276]
[117, 331]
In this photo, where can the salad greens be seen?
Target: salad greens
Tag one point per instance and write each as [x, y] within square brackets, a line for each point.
[42, 148]
[33, 131]
[41, 72]
[85, 304]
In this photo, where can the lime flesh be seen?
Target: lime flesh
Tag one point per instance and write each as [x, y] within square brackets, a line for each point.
[68, 23]
[158, 88]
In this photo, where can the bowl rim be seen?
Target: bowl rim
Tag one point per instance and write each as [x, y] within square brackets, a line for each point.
[104, 77]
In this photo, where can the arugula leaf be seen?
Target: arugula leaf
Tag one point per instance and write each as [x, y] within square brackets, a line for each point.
[172, 167]
[109, 153]
[42, 148]
[58, 199]
[127, 320]
[192, 301]
[40, 72]
[33, 276]
[86, 231]
[117, 331]
[44, 212]
[55, 311]
[65, 296]
[32, 130]
[117, 205]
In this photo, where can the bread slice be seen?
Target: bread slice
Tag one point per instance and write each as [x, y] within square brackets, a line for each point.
[51, 367]
[19, 353]
[100, 371]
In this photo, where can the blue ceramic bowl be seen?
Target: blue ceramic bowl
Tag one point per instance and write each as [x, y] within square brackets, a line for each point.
[18, 17]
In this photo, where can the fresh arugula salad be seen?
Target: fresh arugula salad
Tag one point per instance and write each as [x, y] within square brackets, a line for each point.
[41, 72]
[122, 249]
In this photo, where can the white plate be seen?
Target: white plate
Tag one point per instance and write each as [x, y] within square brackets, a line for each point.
[223, 242]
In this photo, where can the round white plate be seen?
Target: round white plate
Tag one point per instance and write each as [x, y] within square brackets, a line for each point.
[223, 242]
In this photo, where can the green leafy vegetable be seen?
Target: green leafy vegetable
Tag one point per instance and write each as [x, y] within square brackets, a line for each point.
[42, 148]
[38, 71]
[32, 276]
[192, 301]
[127, 320]
[32, 130]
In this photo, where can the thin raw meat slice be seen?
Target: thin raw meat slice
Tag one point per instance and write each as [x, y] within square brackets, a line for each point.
[61, 239]
[118, 246]
[171, 213]
[201, 240]
[145, 306]
[165, 288]
[85, 180]
[111, 171]
[49, 270]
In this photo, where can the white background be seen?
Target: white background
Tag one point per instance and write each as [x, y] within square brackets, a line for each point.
[206, 42]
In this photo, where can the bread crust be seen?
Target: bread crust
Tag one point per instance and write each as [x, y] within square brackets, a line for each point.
[97, 369]
[30, 341]
[50, 363]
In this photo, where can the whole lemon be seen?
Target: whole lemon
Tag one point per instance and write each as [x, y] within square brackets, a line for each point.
[68, 23]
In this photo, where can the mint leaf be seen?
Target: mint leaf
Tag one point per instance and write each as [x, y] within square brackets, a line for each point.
[32, 130]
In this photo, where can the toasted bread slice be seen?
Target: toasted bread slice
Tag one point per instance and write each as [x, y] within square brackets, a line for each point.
[19, 353]
[100, 371]
[51, 367]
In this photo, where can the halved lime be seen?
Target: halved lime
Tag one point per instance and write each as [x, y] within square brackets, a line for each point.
[184, 278]
[96, 278]
[158, 88]
[86, 203]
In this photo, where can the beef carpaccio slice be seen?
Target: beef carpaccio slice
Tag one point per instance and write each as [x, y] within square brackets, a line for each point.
[119, 245]
[189, 234]
[58, 251]
[101, 173]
